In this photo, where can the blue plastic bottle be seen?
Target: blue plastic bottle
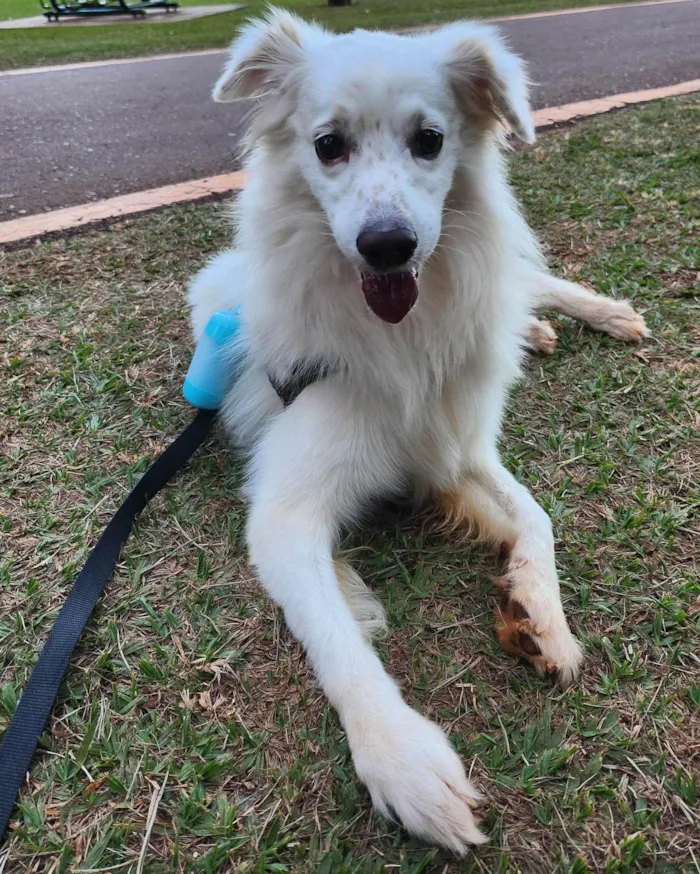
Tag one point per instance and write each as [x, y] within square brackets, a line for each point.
[215, 362]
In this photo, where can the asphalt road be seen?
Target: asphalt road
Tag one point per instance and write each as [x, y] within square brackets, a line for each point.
[72, 136]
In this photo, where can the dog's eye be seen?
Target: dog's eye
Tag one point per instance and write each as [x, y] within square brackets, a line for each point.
[428, 143]
[330, 148]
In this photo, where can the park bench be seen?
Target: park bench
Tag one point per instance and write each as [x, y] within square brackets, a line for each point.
[57, 9]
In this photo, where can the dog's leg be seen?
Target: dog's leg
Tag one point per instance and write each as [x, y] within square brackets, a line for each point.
[317, 462]
[614, 317]
[493, 506]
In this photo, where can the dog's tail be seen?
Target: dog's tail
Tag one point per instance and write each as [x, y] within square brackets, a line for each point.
[363, 604]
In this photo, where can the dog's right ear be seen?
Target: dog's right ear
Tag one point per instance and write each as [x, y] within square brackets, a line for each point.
[488, 78]
[264, 56]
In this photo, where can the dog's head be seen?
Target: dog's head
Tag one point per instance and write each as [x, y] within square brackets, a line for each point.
[377, 125]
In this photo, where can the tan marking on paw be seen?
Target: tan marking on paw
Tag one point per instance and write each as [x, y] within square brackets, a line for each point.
[549, 651]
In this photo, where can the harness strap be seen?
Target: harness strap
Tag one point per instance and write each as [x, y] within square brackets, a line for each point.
[298, 378]
[20, 740]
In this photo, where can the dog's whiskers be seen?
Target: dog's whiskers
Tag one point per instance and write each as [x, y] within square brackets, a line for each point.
[311, 216]
[471, 231]
[466, 214]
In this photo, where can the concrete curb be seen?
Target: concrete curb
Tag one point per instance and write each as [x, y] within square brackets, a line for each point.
[86, 65]
[117, 207]
[544, 118]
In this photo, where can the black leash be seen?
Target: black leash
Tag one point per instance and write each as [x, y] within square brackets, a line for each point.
[20, 740]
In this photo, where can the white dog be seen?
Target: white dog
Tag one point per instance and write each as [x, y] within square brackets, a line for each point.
[381, 258]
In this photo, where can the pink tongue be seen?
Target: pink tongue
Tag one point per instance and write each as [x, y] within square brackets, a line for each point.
[390, 296]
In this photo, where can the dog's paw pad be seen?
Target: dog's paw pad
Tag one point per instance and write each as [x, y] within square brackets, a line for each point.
[549, 651]
[527, 644]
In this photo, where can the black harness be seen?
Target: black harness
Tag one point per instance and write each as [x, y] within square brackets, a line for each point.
[302, 375]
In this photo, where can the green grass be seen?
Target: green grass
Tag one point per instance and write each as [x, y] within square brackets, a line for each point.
[188, 679]
[49, 45]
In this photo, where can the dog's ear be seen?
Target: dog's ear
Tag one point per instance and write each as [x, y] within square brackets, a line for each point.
[489, 79]
[263, 57]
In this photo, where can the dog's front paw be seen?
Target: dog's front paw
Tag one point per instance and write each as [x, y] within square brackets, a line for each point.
[416, 778]
[623, 323]
[535, 628]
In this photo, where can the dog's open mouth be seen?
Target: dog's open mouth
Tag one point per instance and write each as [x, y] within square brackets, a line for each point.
[391, 296]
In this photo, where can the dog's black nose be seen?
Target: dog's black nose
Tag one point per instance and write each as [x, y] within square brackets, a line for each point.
[385, 248]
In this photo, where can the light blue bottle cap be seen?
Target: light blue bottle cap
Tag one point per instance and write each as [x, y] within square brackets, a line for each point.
[222, 326]
[215, 363]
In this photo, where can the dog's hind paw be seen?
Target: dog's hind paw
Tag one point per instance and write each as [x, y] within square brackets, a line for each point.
[541, 336]
[622, 322]
[416, 779]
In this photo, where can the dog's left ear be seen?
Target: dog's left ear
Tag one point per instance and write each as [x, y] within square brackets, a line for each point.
[489, 79]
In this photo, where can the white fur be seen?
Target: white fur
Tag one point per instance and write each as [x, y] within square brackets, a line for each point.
[418, 404]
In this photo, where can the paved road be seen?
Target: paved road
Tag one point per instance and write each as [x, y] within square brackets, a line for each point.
[77, 135]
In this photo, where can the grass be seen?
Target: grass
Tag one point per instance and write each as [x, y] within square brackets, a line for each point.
[56, 44]
[187, 682]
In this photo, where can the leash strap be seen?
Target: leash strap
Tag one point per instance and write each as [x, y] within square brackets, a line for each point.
[21, 738]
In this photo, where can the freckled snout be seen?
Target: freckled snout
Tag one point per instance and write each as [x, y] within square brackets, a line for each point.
[387, 246]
